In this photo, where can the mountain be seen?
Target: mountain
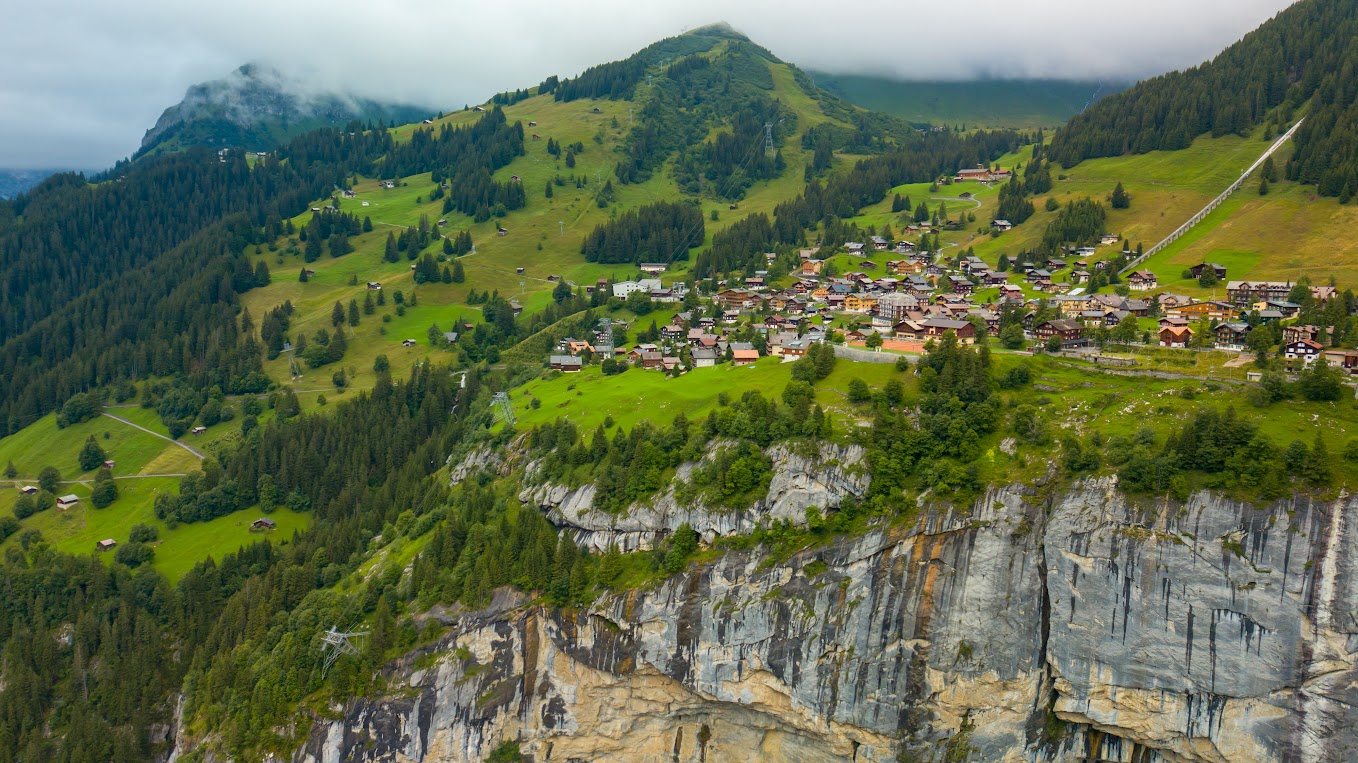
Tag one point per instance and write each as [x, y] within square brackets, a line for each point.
[1300, 64]
[334, 489]
[1021, 103]
[256, 107]
[15, 182]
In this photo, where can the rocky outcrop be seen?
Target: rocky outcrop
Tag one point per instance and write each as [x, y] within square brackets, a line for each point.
[823, 479]
[1082, 627]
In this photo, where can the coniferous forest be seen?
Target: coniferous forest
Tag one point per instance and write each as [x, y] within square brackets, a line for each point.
[1300, 64]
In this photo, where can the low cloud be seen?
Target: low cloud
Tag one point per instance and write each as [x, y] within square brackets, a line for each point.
[86, 79]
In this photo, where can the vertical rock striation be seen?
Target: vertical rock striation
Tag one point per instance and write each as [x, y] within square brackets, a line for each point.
[1086, 627]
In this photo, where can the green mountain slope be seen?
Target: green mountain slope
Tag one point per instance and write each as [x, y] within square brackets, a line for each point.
[1021, 103]
[1301, 63]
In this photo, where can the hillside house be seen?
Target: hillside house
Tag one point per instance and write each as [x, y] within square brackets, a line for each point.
[935, 328]
[263, 523]
[1347, 360]
[565, 363]
[1068, 330]
[1244, 293]
[653, 268]
[1297, 333]
[28, 490]
[1001, 225]
[1211, 311]
[812, 267]
[1302, 353]
[1231, 335]
[1175, 336]
[67, 501]
[744, 357]
[1141, 280]
[704, 358]
[106, 544]
[374, 286]
[1218, 270]
[408, 342]
[624, 288]
[199, 430]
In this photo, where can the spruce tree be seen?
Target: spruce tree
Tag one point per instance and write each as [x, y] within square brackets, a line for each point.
[1120, 199]
[458, 275]
[337, 314]
[353, 312]
[91, 455]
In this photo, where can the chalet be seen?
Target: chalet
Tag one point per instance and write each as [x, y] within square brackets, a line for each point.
[859, 303]
[755, 284]
[1303, 352]
[744, 357]
[979, 174]
[1288, 309]
[374, 286]
[672, 332]
[1055, 264]
[441, 223]
[408, 342]
[653, 268]
[1211, 311]
[1343, 359]
[795, 348]
[565, 363]
[853, 247]
[502, 232]
[1218, 270]
[1078, 276]
[1108, 238]
[730, 317]
[670, 362]
[532, 124]
[811, 267]
[199, 430]
[67, 501]
[109, 464]
[1175, 336]
[450, 337]
[1247, 292]
[1297, 333]
[935, 328]
[651, 359]
[1269, 316]
[704, 358]
[960, 285]
[478, 108]
[1069, 331]
[879, 243]
[106, 544]
[1141, 280]
[736, 298]
[1001, 225]
[1231, 335]
[1039, 274]
[28, 490]
[263, 523]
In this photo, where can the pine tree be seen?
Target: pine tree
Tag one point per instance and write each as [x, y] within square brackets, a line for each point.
[353, 312]
[302, 276]
[368, 307]
[447, 246]
[1120, 199]
[458, 275]
[390, 254]
[91, 455]
[337, 314]
[1263, 186]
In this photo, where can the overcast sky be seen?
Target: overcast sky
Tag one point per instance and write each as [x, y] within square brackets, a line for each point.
[82, 80]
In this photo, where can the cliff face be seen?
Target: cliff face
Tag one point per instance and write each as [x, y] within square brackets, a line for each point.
[800, 481]
[1075, 628]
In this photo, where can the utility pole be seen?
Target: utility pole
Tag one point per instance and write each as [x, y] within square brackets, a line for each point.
[768, 138]
[561, 227]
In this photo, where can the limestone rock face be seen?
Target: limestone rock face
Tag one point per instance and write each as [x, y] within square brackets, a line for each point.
[1079, 627]
[822, 480]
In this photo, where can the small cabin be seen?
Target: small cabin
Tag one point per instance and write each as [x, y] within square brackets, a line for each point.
[518, 271]
[109, 464]
[374, 286]
[408, 343]
[28, 490]
[263, 523]
[67, 501]
[106, 544]
[532, 124]
[199, 430]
